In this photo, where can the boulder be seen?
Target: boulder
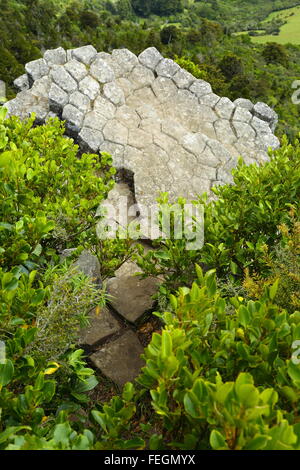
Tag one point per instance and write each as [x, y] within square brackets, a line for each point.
[120, 359]
[102, 325]
[130, 295]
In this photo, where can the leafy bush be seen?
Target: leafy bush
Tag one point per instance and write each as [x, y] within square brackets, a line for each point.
[43, 185]
[34, 156]
[284, 267]
[223, 373]
[71, 297]
[220, 374]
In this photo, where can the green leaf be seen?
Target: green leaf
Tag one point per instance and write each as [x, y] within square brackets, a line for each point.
[223, 392]
[233, 267]
[244, 316]
[38, 297]
[11, 431]
[19, 225]
[269, 396]
[162, 255]
[248, 395]
[128, 392]
[294, 372]
[273, 289]
[136, 443]
[62, 434]
[38, 250]
[6, 372]
[191, 404]
[257, 443]
[11, 285]
[86, 385]
[217, 441]
[166, 344]
[30, 174]
[99, 418]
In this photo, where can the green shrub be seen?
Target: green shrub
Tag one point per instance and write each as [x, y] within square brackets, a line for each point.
[220, 375]
[71, 297]
[284, 265]
[43, 185]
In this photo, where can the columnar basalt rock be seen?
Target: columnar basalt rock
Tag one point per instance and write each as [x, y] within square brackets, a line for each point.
[158, 121]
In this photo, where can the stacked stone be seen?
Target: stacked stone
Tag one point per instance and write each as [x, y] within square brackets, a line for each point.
[156, 119]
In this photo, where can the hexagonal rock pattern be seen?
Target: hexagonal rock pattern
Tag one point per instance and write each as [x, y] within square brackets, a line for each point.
[156, 119]
[131, 296]
[120, 359]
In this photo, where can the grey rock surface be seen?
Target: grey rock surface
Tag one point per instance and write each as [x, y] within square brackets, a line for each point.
[84, 54]
[55, 56]
[120, 359]
[265, 113]
[22, 83]
[63, 78]
[159, 122]
[150, 58]
[36, 69]
[58, 98]
[244, 103]
[102, 326]
[76, 69]
[131, 295]
[88, 264]
[90, 139]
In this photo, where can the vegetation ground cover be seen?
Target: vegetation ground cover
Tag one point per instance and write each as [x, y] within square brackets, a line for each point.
[289, 31]
[219, 375]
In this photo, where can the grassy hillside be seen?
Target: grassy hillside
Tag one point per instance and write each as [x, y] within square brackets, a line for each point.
[234, 14]
[289, 32]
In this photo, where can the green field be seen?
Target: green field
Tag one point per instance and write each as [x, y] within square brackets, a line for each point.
[289, 33]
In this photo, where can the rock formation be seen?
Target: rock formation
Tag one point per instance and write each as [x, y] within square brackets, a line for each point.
[161, 125]
[159, 122]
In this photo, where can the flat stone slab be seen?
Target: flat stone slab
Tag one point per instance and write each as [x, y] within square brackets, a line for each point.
[120, 359]
[102, 326]
[158, 121]
[131, 296]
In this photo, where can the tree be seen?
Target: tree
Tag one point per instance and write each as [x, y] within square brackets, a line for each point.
[141, 7]
[89, 19]
[158, 7]
[274, 53]
[169, 34]
[124, 9]
[167, 7]
[231, 65]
